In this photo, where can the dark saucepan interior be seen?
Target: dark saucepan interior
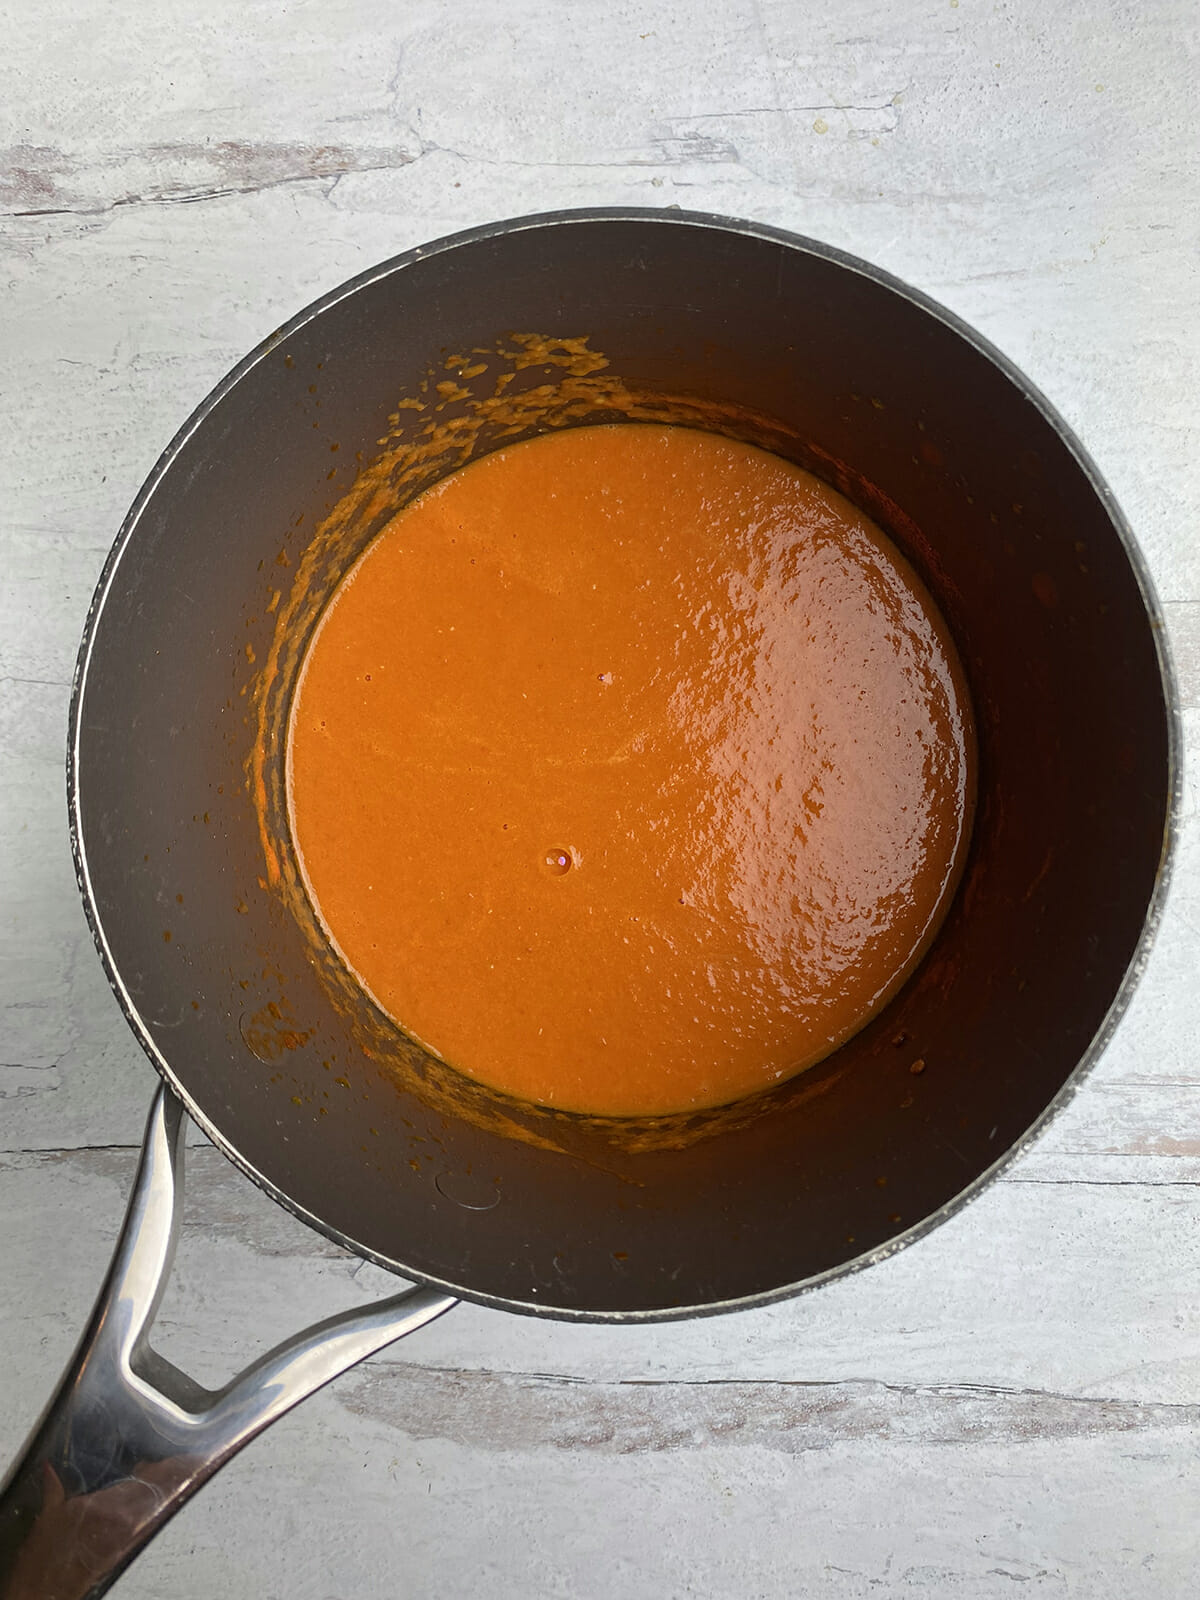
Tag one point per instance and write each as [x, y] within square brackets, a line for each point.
[935, 440]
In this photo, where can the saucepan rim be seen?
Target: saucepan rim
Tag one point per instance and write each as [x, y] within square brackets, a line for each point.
[671, 218]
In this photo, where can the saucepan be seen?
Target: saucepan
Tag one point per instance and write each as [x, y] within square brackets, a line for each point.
[173, 760]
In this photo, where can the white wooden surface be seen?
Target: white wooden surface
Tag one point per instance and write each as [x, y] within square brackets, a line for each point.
[1016, 1401]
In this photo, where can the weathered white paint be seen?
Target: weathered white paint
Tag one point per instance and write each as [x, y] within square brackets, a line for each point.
[1017, 1399]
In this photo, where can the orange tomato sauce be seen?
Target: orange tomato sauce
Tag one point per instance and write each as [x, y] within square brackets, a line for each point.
[629, 769]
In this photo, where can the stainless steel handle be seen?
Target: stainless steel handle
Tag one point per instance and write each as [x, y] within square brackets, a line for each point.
[127, 1437]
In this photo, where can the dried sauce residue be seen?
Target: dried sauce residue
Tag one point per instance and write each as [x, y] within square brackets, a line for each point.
[479, 400]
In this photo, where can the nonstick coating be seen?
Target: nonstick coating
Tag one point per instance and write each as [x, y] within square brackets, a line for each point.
[984, 488]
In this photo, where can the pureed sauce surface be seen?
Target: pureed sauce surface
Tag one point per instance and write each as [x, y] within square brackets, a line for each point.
[629, 769]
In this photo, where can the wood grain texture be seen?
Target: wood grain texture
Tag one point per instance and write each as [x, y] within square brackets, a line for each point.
[1014, 1402]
